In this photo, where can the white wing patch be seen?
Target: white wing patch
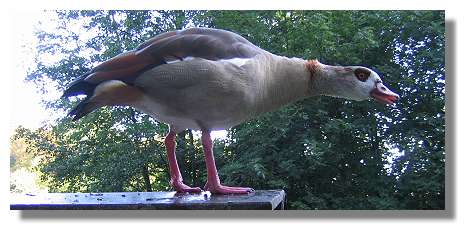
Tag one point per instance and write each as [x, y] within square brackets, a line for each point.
[237, 61]
[175, 60]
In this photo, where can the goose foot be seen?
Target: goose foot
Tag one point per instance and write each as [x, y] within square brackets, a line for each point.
[180, 187]
[222, 189]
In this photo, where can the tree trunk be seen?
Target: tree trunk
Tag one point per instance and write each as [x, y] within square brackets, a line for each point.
[146, 175]
[192, 158]
[145, 170]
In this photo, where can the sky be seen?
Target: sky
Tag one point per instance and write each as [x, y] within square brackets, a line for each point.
[26, 108]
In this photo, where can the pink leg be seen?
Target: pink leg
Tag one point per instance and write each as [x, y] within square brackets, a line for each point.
[175, 174]
[213, 183]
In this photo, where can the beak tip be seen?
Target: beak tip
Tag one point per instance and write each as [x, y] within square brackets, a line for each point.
[385, 97]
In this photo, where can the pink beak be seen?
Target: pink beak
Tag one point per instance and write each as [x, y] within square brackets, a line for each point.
[382, 94]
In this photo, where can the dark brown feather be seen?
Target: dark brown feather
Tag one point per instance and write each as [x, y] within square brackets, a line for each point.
[211, 44]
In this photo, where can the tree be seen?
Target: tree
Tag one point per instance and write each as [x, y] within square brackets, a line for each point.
[326, 153]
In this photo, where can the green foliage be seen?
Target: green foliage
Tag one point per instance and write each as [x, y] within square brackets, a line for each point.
[326, 153]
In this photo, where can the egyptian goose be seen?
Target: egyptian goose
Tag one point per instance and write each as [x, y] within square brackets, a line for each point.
[211, 79]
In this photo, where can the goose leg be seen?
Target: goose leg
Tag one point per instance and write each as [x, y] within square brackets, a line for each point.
[213, 183]
[175, 174]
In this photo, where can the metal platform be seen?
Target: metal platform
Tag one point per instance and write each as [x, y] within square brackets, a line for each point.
[258, 200]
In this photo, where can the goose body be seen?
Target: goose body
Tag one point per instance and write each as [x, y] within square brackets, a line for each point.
[203, 94]
[211, 79]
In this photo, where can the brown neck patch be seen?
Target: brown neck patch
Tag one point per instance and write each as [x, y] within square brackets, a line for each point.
[313, 66]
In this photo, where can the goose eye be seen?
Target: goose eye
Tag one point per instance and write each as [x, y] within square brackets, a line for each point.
[362, 74]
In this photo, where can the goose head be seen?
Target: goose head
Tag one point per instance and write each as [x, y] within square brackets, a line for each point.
[351, 82]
